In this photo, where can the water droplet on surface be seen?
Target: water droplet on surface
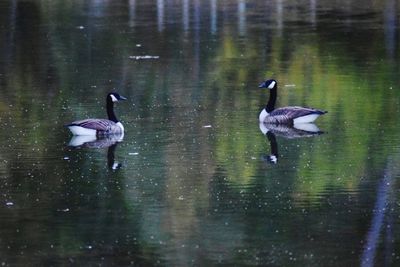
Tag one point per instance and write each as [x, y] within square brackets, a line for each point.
[144, 57]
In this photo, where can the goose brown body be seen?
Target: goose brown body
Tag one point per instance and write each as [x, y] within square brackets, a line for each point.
[101, 126]
[292, 115]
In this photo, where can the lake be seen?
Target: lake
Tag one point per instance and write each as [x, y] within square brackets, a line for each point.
[196, 180]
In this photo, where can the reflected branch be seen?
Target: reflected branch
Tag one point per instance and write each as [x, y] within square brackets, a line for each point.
[369, 252]
[380, 216]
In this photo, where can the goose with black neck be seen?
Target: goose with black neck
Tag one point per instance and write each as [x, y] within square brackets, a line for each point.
[100, 127]
[286, 115]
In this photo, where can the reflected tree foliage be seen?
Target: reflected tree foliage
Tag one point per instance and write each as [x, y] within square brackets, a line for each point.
[196, 192]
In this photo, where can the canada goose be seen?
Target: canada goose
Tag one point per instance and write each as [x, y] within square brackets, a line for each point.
[286, 115]
[99, 127]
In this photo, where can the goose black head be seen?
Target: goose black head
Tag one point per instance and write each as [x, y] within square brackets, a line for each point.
[270, 84]
[115, 97]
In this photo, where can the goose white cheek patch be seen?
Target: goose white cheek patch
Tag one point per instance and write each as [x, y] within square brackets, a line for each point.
[272, 85]
[113, 98]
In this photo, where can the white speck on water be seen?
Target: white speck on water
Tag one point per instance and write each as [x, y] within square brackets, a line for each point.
[144, 57]
[80, 27]
[138, 45]
[9, 203]
[181, 198]
[66, 158]
[207, 126]
[133, 153]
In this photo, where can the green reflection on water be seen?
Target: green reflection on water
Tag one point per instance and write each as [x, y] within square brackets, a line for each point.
[192, 189]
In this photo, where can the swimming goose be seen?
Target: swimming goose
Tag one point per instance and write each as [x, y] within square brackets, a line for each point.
[286, 115]
[100, 127]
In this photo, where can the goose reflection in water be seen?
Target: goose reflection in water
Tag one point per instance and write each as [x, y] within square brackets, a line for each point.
[288, 132]
[93, 142]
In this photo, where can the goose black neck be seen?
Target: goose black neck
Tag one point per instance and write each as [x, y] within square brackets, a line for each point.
[272, 99]
[110, 110]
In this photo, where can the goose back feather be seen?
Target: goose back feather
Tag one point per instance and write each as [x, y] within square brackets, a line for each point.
[293, 115]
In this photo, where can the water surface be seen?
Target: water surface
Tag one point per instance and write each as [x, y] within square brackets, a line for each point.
[190, 184]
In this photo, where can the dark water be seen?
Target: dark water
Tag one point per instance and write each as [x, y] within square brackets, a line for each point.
[190, 184]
